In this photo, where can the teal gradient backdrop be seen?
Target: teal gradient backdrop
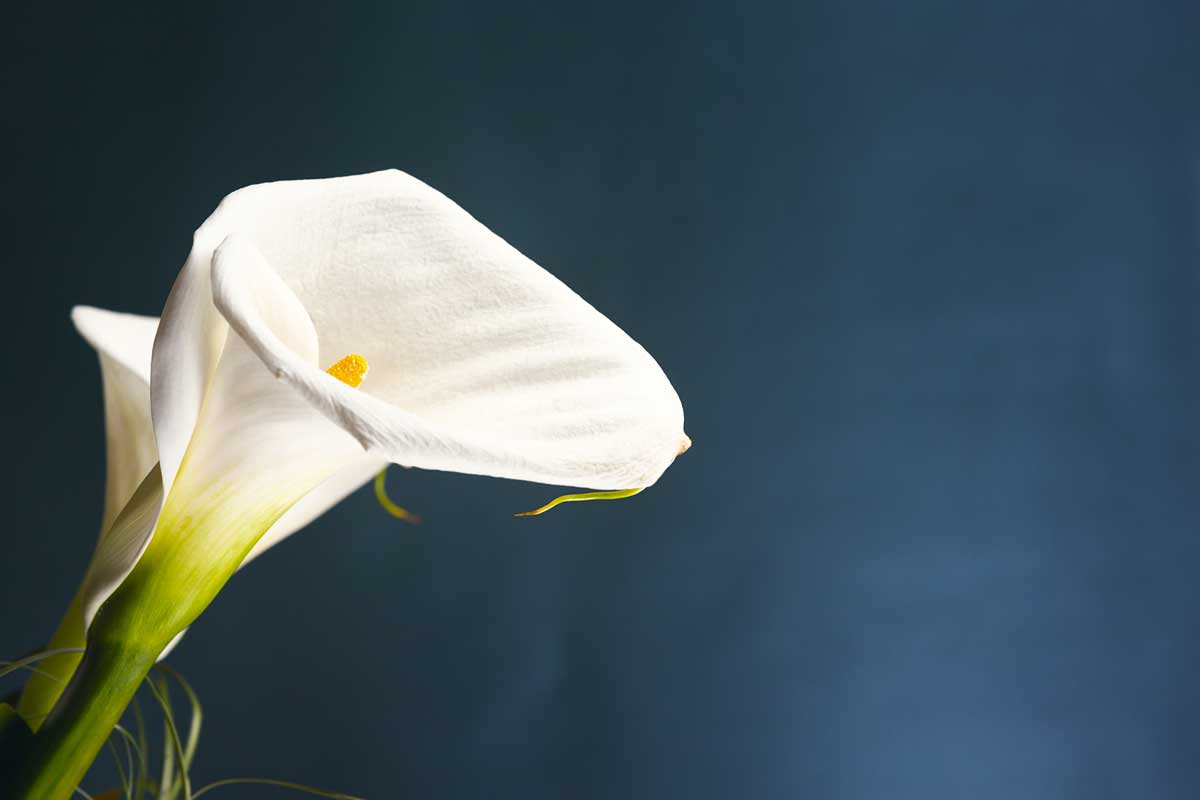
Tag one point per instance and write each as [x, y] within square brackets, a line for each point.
[925, 275]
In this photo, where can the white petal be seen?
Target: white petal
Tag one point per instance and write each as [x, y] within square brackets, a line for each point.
[347, 467]
[251, 420]
[127, 339]
[122, 545]
[133, 487]
[256, 449]
[335, 488]
[481, 361]
[187, 347]
[123, 343]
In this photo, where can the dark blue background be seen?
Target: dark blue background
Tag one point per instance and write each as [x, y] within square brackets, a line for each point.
[925, 275]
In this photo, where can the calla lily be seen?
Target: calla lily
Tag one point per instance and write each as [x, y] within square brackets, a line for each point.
[480, 362]
[318, 331]
[123, 343]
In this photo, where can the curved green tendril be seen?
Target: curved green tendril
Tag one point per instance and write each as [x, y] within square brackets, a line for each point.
[283, 784]
[23, 663]
[619, 494]
[382, 496]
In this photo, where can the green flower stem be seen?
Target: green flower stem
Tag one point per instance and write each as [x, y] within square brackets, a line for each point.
[200, 537]
[60, 754]
[43, 688]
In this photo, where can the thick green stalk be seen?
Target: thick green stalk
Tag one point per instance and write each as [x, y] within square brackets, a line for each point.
[193, 553]
[62, 751]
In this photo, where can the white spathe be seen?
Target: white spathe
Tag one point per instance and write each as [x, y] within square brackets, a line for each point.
[124, 343]
[480, 362]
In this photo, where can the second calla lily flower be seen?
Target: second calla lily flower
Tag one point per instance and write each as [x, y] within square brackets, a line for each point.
[476, 360]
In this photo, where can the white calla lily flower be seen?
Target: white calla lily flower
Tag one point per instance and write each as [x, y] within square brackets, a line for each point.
[479, 361]
[124, 343]
[318, 331]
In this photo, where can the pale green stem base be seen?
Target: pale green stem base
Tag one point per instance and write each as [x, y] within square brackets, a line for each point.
[43, 688]
[201, 536]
